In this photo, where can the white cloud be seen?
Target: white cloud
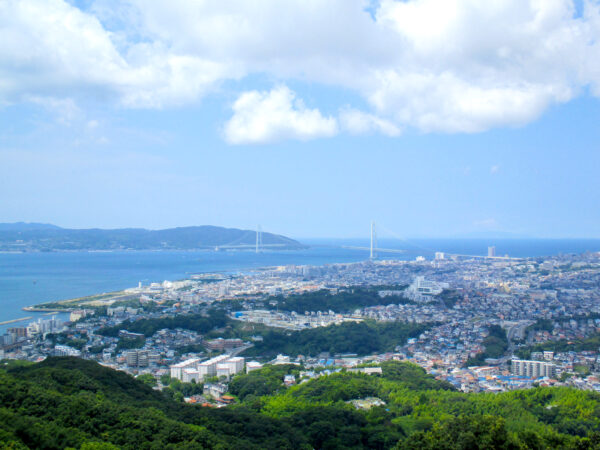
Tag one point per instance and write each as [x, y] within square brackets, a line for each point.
[435, 65]
[52, 49]
[358, 122]
[444, 102]
[470, 65]
[262, 117]
[494, 169]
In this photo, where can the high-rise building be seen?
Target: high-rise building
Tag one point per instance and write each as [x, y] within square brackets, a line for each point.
[208, 368]
[136, 358]
[7, 339]
[153, 359]
[142, 358]
[18, 331]
[77, 314]
[131, 358]
[532, 369]
[230, 366]
[44, 326]
[177, 369]
[190, 374]
[491, 251]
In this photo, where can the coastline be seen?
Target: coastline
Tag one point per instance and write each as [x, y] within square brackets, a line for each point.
[71, 304]
[209, 249]
[107, 298]
[32, 280]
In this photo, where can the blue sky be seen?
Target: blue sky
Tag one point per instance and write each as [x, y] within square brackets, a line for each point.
[420, 117]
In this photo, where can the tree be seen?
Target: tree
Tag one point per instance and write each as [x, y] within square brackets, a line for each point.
[147, 379]
[165, 379]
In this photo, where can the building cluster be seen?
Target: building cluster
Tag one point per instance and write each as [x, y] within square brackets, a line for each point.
[221, 344]
[461, 296]
[293, 320]
[197, 370]
[423, 290]
[42, 326]
[13, 336]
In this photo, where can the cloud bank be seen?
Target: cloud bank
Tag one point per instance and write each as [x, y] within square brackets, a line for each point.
[432, 65]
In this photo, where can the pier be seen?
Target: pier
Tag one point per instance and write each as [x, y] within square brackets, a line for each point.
[6, 322]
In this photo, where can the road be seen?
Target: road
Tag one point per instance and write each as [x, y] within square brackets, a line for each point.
[516, 331]
[238, 350]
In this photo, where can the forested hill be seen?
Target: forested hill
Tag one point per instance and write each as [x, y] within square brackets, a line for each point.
[43, 237]
[74, 403]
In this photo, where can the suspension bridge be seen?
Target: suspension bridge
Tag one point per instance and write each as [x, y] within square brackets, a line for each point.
[258, 246]
[374, 250]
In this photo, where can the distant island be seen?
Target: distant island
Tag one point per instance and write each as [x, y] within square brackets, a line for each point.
[34, 237]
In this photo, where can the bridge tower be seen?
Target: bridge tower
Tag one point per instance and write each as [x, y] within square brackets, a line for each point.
[258, 239]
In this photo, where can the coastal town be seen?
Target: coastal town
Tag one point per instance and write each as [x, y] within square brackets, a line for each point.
[485, 324]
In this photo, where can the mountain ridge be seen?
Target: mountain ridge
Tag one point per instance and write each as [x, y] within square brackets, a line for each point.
[23, 226]
[22, 236]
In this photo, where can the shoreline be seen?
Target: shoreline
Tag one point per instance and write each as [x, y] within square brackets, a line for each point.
[133, 250]
[111, 297]
[71, 304]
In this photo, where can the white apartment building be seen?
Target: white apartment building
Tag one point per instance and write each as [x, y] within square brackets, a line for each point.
[208, 368]
[253, 365]
[44, 326]
[188, 375]
[422, 289]
[65, 350]
[532, 369]
[177, 369]
[230, 366]
[193, 369]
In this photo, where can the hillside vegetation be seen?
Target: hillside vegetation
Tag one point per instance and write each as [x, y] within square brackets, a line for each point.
[341, 302]
[68, 402]
[363, 338]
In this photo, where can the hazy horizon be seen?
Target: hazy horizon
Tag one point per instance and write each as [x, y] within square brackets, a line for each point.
[386, 237]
